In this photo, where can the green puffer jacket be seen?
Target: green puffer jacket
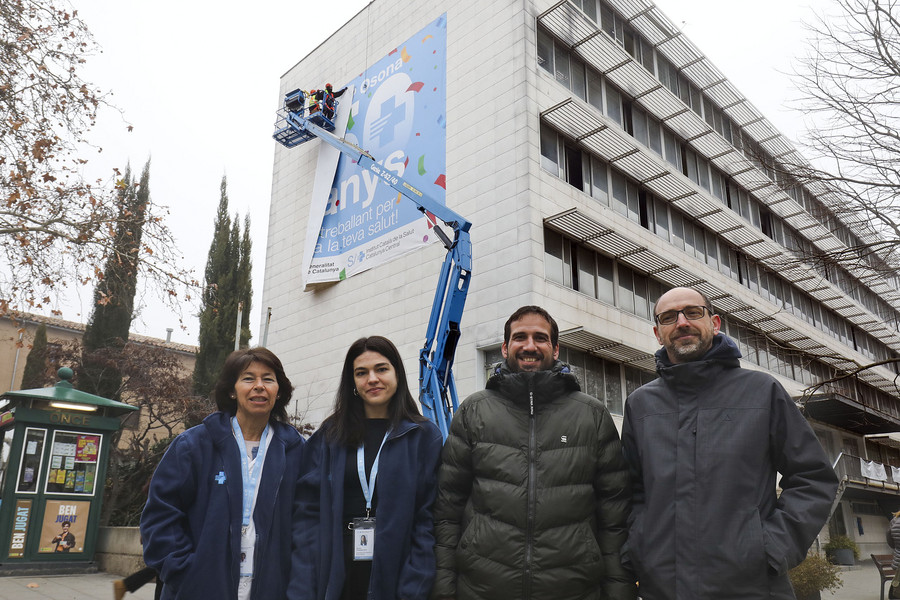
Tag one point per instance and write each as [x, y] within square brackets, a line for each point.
[533, 494]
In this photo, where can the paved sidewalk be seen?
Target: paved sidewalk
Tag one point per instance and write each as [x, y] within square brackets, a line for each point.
[860, 583]
[67, 587]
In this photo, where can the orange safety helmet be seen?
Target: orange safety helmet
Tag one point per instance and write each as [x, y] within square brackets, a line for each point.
[328, 86]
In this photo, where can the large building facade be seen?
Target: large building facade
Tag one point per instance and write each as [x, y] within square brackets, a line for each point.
[603, 159]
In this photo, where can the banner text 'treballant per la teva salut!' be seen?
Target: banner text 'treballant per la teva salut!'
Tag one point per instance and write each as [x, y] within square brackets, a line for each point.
[395, 110]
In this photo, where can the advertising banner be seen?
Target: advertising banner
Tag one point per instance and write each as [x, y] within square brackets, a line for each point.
[395, 110]
[20, 529]
[64, 526]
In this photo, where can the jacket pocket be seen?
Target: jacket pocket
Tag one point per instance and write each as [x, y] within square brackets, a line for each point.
[742, 562]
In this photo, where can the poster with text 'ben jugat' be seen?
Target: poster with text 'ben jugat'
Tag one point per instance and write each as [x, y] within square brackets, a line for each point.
[395, 110]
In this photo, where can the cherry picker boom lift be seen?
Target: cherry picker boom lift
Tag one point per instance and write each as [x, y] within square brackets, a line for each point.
[437, 389]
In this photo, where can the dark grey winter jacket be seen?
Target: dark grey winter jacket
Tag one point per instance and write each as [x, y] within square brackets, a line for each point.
[704, 443]
[532, 502]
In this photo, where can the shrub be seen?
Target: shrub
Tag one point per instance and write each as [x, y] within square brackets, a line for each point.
[814, 574]
[841, 541]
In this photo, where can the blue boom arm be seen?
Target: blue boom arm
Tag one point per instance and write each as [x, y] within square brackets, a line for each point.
[437, 389]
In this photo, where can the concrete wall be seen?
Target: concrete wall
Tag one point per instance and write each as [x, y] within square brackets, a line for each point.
[119, 550]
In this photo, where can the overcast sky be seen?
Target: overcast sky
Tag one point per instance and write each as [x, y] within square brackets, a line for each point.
[198, 80]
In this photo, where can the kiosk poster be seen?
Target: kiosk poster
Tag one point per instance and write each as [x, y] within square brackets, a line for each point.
[20, 529]
[64, 526]
[30, 466]
[396, 113]
[73, 463]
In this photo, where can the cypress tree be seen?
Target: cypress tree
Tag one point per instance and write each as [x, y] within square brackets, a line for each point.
[227, 283]
[35, 372]
[244, 281]
[107, 330]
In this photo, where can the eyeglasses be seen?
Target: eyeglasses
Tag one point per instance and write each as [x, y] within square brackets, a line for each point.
[691, 313]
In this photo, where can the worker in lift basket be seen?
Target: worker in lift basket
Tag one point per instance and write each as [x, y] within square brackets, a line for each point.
[326, 97]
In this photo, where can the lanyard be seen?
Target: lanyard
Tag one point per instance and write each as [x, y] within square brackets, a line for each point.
[250, 475]
[368, 487]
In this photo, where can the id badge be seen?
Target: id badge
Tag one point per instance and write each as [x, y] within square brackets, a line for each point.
[363, 538]
[247, 547]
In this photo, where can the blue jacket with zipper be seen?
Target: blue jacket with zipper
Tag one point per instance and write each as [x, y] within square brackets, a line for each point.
[191, 524]
[403, 565]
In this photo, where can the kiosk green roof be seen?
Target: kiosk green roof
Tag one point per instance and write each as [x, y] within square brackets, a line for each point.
[65, 392]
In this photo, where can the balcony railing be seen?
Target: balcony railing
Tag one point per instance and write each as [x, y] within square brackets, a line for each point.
[872, 474]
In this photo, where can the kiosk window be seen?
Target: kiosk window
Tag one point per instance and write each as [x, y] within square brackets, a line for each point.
[5, 451]
[73, 463]
[30, 466]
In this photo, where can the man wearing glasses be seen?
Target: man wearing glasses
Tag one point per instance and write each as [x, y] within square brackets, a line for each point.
[705, 443]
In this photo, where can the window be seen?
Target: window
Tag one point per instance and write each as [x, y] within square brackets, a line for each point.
[613, 379]
[599, 182]
[703, 172]
[641, 296]
[640, 128]
[578, 79]
[588, 6]
[605, 280]
[654, 135]
[712, 250]
[586, 270]
[574, 167]
[545, 50]
[661, 214]
[613, 104]
[554, 259]
[619, 193]
[677, 237]
[595, 90]
[562, 73]
[608, 20]
[549, 150]
[30, 462]
[626, 289]
[673, 149]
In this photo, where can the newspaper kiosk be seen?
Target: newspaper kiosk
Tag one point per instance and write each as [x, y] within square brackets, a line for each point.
[55, 448]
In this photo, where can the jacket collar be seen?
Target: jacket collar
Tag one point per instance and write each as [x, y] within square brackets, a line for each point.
[218, 424]
[544, 385]
[723, 354]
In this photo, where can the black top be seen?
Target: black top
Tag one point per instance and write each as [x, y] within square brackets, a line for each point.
[354, 501]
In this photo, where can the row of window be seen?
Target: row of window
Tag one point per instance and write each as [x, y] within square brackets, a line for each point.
[591, 87]
[611, 188]
[602, 277]
[768, 354]
[675, 80]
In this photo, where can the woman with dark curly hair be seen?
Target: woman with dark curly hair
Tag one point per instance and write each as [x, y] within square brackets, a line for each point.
[353, 539]
[201, 527]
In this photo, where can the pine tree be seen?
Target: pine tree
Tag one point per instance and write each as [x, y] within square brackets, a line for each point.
[107, 330]
[228, 271]
[35, 373]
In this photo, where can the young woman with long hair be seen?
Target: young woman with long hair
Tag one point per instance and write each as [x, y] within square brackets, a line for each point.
[355, 539]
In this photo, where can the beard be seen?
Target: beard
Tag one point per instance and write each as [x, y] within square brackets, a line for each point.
[689, 351]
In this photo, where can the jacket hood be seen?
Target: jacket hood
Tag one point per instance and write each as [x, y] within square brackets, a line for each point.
[723, 350]
[545, 385]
